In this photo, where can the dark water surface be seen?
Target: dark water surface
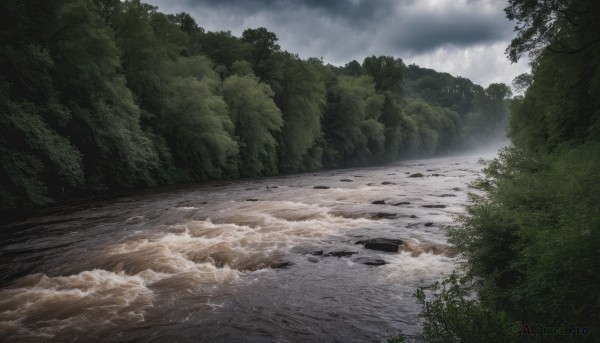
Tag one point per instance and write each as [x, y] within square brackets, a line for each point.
[204, 264]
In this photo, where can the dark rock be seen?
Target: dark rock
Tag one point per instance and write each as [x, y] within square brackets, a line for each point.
[392, 174]
[313, 259]
[428, 224]
[251, 199]
[430, 170]
[341, 253]
[434, 206]
[381, 244]
[346, 180]
[280, 264]
[402, 203]
[378, 202]
[413, 216]
[385, 183]
[272, 187]
[384, 215]
[447, 195]
[252, 188]
[369, 261]
[321, 187]
[317, 253]
[456, 189]
[416, 175]
[436, 175]
[358, 176]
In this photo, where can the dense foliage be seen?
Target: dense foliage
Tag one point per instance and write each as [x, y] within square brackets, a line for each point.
[532, 242]
[100, 95]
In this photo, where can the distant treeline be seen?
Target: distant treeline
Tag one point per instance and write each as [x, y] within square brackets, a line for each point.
[107, 94]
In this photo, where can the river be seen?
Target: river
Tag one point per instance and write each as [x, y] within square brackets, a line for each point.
[242, 261]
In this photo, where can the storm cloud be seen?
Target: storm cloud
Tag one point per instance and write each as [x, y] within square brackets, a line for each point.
[462, 37]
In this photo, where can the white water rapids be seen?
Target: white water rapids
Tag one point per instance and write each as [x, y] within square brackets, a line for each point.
[236, 262]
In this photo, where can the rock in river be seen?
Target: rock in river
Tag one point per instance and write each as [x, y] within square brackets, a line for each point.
[384, 215]
[280, 264]
[381, 244]
[378, 202]
[321, 187]
[370, 261]
[341, 253]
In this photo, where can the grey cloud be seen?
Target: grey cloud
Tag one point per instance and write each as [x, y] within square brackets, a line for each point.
[399, 25]
[350, 11]
[419, 33]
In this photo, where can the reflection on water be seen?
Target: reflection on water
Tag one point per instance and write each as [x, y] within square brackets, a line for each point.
[272, 259]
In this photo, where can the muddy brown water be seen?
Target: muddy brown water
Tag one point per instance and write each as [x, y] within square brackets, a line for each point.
[238, 261]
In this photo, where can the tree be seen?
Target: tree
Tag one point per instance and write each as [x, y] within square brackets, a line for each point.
[300, 94]
[255, 117]
[198, 128]
[186, 23]
[550, 25]
[386, 71]
[522, 82]
[353, 68]
[105, 122]
[264, 42]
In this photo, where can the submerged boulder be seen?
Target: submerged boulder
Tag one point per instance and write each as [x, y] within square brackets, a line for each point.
[321, 187]
[384, 215]
[416, 175]
[280, 264]
[341, 253]
[378, 202]
[381, 244]
[370, 261]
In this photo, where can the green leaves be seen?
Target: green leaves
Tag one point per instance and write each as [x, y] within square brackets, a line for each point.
[256, 118]
[386, 71]
[198, 128]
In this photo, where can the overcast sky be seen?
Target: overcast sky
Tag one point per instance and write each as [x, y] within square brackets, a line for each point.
[462, 37]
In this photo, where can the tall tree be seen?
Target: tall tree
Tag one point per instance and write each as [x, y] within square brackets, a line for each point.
[300, 94]
[256, 118]
[387, 72]
[105, 123]
[551, 24]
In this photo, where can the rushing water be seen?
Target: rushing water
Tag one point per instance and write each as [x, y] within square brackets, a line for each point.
[238, 261]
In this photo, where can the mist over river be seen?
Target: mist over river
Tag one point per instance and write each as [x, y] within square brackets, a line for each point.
[242, 261]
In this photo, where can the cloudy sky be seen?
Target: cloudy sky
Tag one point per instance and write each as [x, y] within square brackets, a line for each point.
[462, 37]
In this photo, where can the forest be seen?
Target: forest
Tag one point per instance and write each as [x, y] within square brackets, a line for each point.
[98, 96]
[531, 241]
[105, 95]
